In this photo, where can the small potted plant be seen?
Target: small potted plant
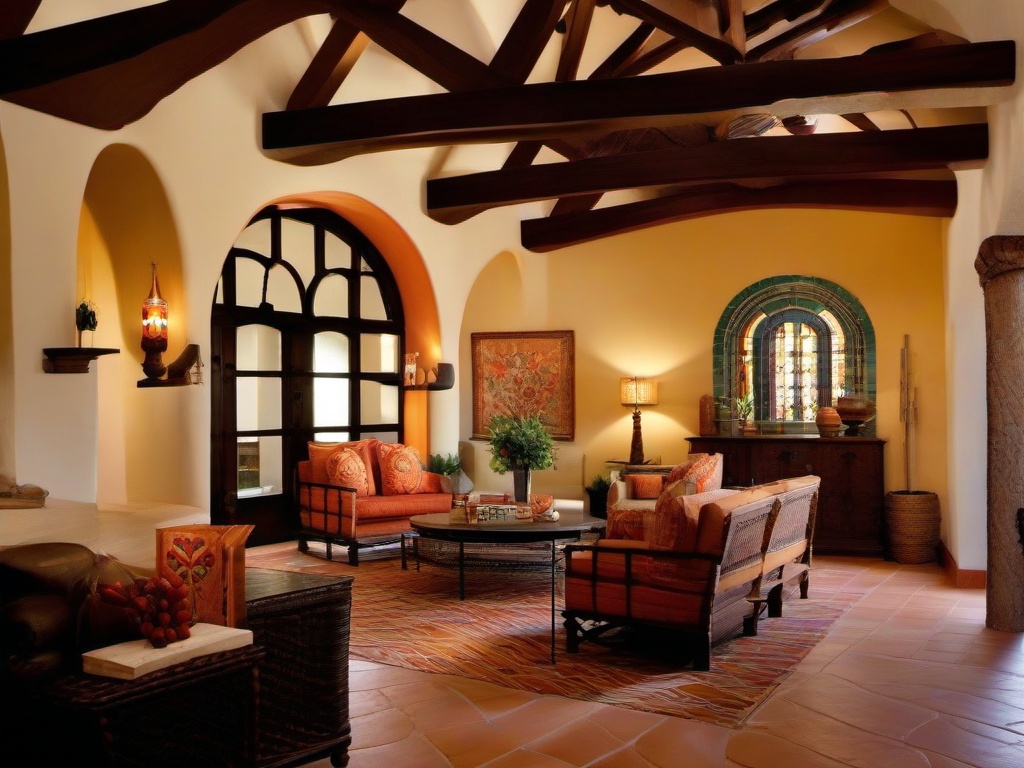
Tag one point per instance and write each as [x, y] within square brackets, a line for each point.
[520, 444]
[745, 412]
[597, 491]
[450, 466]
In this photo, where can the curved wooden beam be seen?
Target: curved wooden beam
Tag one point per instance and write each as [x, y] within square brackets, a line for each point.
[920, 198]
[110, 71]
[763, 157]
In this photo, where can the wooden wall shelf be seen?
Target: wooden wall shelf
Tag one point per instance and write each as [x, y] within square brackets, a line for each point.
[72, 359]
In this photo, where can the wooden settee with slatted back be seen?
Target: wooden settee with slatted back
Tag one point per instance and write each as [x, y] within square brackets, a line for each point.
[704, 565]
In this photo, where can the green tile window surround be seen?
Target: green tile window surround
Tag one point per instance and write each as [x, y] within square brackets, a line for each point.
[787, 297]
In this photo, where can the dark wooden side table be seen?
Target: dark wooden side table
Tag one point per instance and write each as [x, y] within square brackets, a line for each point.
[199, 712]
[301, 623]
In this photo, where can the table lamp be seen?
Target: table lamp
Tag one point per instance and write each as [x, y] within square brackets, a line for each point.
[635, 392]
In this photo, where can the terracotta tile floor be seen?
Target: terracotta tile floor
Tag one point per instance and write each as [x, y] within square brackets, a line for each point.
[909, 677]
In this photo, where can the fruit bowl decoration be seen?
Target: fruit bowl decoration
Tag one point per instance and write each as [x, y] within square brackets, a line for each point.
[157, 606]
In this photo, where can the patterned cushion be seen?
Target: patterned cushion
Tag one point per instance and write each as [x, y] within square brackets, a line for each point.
[701, 472]
[400, 468]
[345, 467]
[644, 486]
[674, 523]
[319, 453]
[679, 470]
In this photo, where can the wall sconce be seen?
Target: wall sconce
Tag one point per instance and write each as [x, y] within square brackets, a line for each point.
[154, 331]
[635, 392]
[186, 369]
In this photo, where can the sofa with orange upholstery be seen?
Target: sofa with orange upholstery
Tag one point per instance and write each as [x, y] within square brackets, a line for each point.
[362, 493]
[633, 495]
[695, 566]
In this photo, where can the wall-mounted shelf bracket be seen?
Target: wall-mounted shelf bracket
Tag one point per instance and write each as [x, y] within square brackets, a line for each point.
[72, 359]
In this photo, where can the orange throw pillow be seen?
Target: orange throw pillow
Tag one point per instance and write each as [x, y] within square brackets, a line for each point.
[345, 467]
[702, 472]
[644, 486]
[319, 453]
[400, 469]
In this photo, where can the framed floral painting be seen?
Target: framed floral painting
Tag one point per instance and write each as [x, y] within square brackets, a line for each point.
[522, 374]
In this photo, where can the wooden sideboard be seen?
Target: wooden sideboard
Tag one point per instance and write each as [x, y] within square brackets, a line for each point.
[852, 500]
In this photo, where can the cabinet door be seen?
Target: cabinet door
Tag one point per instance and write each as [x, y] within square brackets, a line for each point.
[851, 501]
[737, 469]
[777, 460]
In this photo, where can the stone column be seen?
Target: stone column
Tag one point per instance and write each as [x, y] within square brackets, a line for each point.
[1000, 265]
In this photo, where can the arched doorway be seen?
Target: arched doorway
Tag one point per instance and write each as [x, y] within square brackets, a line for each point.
[307, 331]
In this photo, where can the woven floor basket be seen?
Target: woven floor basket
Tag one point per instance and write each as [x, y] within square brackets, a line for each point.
[912, 520]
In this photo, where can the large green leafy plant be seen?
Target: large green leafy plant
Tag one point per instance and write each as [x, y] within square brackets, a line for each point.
[520, 442]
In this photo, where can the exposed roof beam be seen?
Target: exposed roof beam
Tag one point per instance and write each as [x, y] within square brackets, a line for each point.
[529, 34]
[581, 13]
[832, 154]
[715, 47]
[921, 198]
[329, 67]
[836, 16]
[109, 71]
[16, 17]
[447, 65]
[545, 110]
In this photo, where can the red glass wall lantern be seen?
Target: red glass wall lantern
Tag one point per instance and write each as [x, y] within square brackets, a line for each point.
[154, 331]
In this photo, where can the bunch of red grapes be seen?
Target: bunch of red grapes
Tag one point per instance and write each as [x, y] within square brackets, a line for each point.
[158, 606]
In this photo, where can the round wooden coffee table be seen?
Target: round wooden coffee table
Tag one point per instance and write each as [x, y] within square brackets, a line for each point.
[438, 526]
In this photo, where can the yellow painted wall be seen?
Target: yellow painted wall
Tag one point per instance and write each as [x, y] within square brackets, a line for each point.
[648, 303]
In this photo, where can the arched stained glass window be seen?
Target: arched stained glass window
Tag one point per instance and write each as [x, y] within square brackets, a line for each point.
[795, 344]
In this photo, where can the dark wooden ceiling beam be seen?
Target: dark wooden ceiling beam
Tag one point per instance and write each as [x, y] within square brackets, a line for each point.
[110, 71]
[525, 41]
[835, 17]
[715, 47]
[731, 25]
[52, 54]
[581, 13]
[764, 18]
[960, 146]
[628, 51]
[16, 16]
[546, 110]
[920, 198]
[330, 66]
[433, 56]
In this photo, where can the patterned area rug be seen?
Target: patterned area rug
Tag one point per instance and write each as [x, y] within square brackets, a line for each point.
[501, 633]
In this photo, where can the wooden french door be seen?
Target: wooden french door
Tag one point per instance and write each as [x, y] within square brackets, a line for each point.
[307, 334]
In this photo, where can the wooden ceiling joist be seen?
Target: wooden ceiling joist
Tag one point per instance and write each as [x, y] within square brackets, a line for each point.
[716, 47]
[546, 110]
[764, 157]
[109, 71]
[921, 198]
[834, 17]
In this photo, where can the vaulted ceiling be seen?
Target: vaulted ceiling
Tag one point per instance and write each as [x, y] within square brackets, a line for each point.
[617, 114]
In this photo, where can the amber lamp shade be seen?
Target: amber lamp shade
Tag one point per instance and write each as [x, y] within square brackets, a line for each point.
[634, 392]
[154, 331]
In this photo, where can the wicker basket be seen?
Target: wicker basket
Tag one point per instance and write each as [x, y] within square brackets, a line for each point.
[912, 520]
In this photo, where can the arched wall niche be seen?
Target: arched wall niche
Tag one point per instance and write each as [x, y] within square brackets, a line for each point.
[126, 224]
[423, 326]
